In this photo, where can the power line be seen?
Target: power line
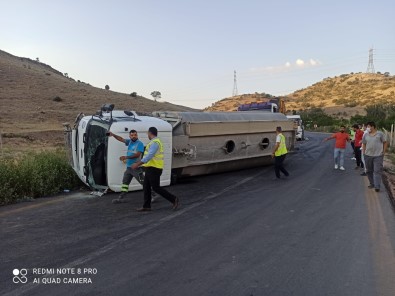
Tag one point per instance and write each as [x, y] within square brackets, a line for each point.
[370, 64]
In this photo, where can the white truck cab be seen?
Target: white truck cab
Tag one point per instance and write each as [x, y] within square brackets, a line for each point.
[95, 156]
[298, 126]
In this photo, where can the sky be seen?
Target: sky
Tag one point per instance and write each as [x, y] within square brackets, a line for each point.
[188, 50]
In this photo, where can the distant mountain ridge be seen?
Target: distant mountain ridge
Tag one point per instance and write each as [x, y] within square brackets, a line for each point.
[347, 94]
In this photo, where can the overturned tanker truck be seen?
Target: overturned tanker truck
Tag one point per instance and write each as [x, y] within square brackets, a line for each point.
[195, 143]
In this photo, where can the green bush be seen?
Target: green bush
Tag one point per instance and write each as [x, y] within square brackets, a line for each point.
[317, 116]
[35, 175]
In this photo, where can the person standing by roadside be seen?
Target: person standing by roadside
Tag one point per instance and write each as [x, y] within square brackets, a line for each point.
[279, 154]
[153, 163]
[358, 145]
[365, 131]
[374, 146]
[134, 152]
[352, 139]
[341, 138]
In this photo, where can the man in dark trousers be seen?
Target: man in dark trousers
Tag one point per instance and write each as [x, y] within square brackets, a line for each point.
[358, 146]
[374, 146]
[279, 153]
[153, 163]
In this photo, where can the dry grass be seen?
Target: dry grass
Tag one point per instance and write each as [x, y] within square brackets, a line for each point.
[28, 106]
[349, 93]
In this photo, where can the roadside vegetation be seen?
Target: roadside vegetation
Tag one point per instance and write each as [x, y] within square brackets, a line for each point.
[35, 175]
[383, 114]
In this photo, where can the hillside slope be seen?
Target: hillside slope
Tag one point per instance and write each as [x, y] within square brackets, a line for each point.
[346, 94]
[28, 89]
[30, 114]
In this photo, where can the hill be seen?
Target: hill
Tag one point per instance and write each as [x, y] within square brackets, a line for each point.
[346, 95]
[36, 99]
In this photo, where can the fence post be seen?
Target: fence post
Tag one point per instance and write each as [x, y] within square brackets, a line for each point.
[392, 135]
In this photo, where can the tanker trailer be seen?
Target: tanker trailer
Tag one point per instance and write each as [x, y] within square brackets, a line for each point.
[195, 143]
[214, 142]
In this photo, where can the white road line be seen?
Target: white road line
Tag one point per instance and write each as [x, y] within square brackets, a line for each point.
[27, 287]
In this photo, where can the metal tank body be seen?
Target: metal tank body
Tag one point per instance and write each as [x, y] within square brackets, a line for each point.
[212, 142]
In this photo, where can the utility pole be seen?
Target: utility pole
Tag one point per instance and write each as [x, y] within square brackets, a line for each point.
[235, 92]
[370, 64]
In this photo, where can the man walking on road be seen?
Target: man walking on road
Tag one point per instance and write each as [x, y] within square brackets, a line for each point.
[279, 153]
[153, 163]
[340, 146]
[358, 145]
[374, 146]
[134, 152]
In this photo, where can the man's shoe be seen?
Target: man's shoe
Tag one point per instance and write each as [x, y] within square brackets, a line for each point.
[370, 186]
[176, 204]
[143, 210]
[363, 174]
[336, 166]
[122, 195]
[342, 168]
[353, 158]
[377, 189]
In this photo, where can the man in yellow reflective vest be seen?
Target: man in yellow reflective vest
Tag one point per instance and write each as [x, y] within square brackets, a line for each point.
[153, 164]
[279, 153]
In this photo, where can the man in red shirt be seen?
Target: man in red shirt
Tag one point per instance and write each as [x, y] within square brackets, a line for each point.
[340, 146]
[358, 145]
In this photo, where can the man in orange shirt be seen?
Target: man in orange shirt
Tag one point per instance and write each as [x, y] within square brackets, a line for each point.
[340, 146]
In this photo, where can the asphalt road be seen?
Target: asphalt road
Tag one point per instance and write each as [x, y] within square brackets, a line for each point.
[320, 232]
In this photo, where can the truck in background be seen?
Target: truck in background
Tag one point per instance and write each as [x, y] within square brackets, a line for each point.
[298, 124]
[275, 105]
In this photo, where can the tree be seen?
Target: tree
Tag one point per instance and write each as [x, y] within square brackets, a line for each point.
[317, 116]
[66, 75]
[156, 95]
[37, 60]
[133, 94]
[107, 87]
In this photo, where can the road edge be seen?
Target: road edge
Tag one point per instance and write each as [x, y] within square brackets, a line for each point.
[389, 183]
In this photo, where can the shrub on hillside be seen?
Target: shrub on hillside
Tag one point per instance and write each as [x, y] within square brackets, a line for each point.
[351, 104]
[107, 87]
[57, 99]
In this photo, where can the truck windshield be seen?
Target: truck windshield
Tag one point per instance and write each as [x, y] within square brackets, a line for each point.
[96, 154]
